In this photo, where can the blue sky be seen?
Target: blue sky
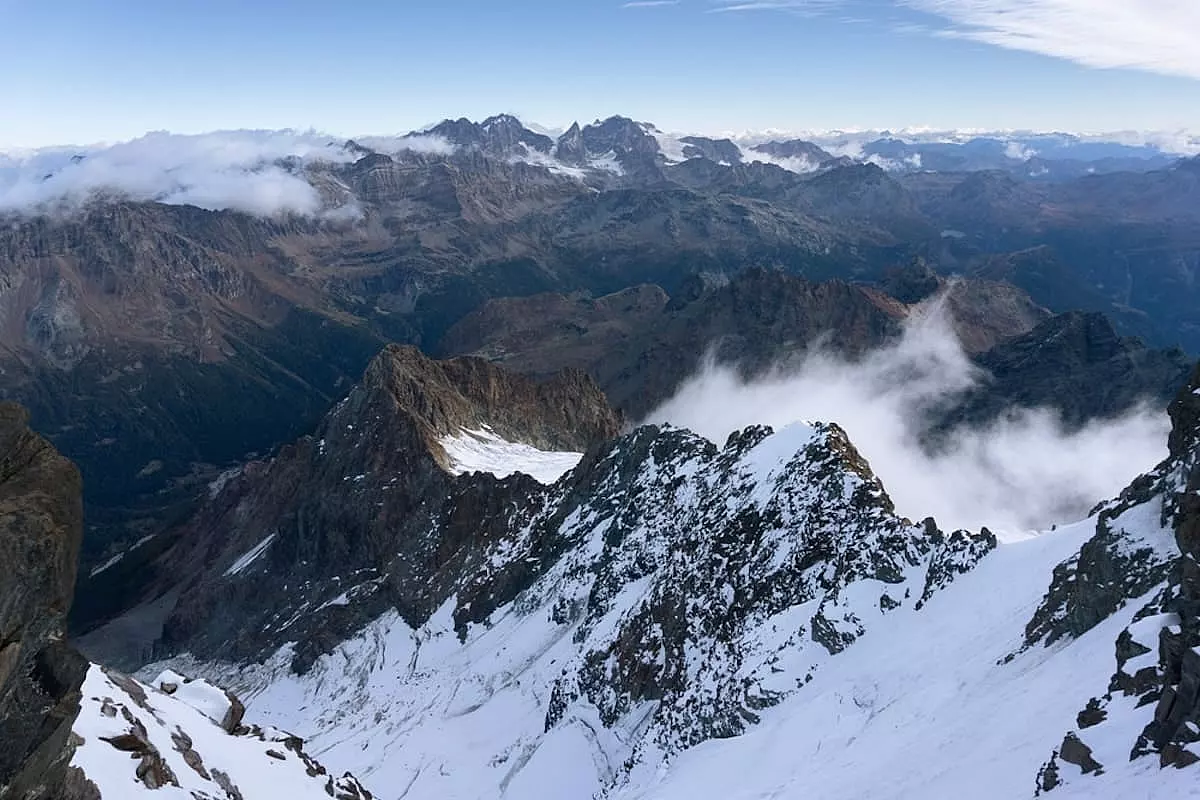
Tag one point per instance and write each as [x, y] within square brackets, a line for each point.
[80, 71]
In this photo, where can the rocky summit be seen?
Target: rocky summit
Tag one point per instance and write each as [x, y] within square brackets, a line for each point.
[374, 506]
[1150, 709]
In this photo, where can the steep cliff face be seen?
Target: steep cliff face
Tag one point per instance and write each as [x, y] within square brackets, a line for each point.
[1175, 730]
[70, 730]
[1145, 552]
[1077, 363]
[41, 519]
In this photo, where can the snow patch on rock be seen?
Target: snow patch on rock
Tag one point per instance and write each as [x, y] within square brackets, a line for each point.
[483, 451]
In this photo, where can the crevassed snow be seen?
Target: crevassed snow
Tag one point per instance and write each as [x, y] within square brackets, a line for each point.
[248, 558]
[483, 451]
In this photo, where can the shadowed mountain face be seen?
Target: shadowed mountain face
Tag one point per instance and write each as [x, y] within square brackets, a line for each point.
[1079, 363]
[370, 497]
[157, 345]
[641, 345]
[41, 523]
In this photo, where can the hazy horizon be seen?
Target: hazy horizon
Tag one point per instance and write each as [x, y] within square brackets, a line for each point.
[91, 73]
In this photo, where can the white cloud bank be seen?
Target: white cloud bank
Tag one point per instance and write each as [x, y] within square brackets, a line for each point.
[258, 172]
[1021, 473]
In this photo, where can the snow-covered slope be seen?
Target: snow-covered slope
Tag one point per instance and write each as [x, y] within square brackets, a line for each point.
[926, 705]
[748, 621]
[697, 587]
[673, 618]
[185, 739]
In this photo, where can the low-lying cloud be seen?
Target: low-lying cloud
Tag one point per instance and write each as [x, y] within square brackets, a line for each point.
[258, 172]
[1020, 473]
[798, 164]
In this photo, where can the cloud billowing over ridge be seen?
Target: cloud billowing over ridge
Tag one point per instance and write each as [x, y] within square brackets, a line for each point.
[1020, 473]
[258, 172]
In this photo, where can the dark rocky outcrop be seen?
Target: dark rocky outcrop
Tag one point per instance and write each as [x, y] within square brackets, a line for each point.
[1175, 729]
[566, 412]
[1119, 565]
[41, 523]
[1079, 365]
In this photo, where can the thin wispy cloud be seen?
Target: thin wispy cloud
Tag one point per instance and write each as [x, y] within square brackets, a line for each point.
[1149, 35]
[803, 7]
[1152, 35]
[649, 3]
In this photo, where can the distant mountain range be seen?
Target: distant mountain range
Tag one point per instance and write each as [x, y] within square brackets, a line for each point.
[1036, 156]
[359, 431]
[174, 305]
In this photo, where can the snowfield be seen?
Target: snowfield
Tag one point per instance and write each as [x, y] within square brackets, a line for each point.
[483, 451]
